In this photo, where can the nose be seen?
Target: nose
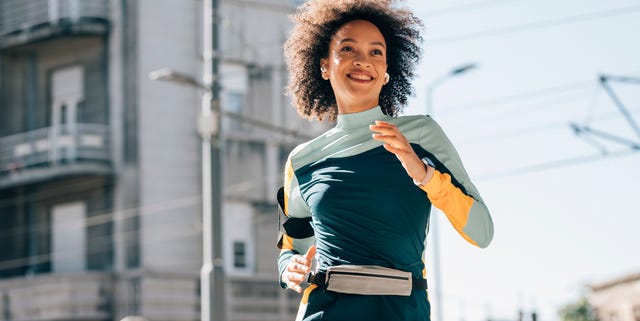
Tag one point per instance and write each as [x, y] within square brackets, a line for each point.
[362, 62]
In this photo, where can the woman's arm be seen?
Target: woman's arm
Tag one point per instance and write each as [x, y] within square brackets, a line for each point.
[448, 186]
[293, 267]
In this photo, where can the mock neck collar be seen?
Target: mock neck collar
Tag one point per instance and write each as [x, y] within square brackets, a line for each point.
[360, 119]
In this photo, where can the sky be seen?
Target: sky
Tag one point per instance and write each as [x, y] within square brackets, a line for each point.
[564, 205]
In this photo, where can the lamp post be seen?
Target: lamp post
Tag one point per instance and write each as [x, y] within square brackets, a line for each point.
[434, 216]
[434, 84]
[212, 273]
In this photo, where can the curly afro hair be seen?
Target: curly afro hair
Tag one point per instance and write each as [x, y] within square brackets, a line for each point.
[316, 21]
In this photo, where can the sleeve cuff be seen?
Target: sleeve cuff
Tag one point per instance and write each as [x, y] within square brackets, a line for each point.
[435, 183]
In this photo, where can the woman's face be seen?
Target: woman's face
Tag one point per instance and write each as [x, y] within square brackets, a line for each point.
[356, 65]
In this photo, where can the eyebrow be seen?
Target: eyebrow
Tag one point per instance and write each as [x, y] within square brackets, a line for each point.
[374, 43]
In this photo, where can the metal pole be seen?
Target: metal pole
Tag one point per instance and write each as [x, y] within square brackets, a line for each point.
[434, 211]
[619, 104]
[212, 273]
[433, 225]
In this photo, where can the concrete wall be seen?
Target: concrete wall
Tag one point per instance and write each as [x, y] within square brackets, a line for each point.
[168, 144]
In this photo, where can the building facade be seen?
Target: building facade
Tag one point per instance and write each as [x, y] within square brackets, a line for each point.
[100, 170]
[617, 299]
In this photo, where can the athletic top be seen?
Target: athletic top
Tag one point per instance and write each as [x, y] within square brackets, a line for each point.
[364, 207]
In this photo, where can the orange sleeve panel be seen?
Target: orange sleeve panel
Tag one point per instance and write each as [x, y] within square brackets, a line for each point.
[451, 201]
[287, 243]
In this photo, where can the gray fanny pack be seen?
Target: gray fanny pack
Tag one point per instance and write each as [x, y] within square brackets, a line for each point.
[370, 280]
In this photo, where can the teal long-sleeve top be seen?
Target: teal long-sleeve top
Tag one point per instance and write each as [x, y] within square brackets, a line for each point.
[364, 207]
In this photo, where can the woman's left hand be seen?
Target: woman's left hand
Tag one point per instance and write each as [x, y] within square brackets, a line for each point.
[395, 142]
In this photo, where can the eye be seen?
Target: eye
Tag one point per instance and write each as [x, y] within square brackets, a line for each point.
[376, 52]
[347, 48]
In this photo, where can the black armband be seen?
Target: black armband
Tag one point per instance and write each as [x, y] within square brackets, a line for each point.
[296, 227]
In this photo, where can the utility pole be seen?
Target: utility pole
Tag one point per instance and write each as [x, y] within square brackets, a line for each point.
[212, 273]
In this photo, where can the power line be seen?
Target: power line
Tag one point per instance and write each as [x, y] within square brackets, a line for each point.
[526, 107]
[555, 164]
[484, 119]
[538, 128]
[535, 25]
[528, 95]
[467, 7]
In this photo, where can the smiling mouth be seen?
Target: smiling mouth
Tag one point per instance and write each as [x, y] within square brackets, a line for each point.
[361, 77]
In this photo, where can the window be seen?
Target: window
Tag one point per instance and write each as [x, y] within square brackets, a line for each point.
[239, 254]
[69, 237]
[235, 104]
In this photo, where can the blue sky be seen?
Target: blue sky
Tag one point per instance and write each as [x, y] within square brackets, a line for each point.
[565, 214]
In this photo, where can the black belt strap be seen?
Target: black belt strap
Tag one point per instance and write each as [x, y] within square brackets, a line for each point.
[319, 280]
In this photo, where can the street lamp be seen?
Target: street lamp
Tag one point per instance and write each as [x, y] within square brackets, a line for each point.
[434, 216]
[434, 84]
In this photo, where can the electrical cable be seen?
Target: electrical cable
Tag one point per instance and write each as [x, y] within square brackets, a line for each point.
[534, 25]
[554, 164]
[527, 95]
[466, 7]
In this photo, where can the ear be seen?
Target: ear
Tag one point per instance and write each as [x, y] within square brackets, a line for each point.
[324, 68]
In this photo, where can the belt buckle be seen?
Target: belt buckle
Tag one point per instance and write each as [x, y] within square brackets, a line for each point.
[317, 278]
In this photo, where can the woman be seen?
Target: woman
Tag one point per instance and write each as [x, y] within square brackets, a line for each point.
[357, 198]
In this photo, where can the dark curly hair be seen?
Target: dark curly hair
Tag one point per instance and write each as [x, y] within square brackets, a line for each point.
[316, 21]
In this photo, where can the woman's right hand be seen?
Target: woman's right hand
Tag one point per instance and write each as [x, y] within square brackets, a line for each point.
[297, 269]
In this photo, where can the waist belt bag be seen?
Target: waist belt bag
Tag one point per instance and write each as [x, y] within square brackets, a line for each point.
[370, 280]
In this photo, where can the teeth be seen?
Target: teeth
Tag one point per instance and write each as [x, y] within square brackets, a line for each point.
[360, 77]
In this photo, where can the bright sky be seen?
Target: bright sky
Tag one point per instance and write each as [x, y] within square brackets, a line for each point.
[562, 226]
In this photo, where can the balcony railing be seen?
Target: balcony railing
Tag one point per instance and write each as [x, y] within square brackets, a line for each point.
[51, 146]
[26, 18]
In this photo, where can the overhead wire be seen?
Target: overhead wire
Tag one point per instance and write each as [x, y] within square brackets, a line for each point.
[555, 164]
[535, 25]
[527, 95]
[466, 7]
[536, 129]
[534, 105]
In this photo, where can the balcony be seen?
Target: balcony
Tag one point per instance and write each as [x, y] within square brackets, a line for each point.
[57, 297]
[52, 152]
[25, 21]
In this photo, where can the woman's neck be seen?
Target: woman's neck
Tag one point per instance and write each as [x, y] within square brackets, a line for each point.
[350, 108]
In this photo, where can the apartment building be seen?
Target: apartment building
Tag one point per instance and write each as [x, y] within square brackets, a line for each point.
[617, 299]
[100, 167]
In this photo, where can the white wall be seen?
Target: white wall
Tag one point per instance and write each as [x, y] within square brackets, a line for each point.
[238, 226]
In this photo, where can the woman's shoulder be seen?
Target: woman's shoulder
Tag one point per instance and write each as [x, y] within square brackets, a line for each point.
[415, 127]
[304, 150]
[413, 120]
